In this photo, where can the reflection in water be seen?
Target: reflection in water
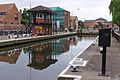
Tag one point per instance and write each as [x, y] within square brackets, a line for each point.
[43, 55]
[10, 56]
[33, 62]
[73, 41]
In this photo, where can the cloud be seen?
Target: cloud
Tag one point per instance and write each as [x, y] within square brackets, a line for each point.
[89, 9]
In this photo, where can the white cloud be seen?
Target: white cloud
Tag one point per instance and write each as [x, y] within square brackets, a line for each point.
[89, 9]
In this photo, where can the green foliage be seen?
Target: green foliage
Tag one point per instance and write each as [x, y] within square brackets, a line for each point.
[114, 8]
[25, 17]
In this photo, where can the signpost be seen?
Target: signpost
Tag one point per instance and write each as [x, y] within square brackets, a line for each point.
[104, 41]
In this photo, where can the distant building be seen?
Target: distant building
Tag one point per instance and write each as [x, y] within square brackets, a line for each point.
[63, 17]
[107, 24]
[113, 26]
[90, 26]
[90, 23]
[103, 22]
[100, 23]
[80, 26]
[10, 18]
[73, 23]
[80, 23]
[41, 20]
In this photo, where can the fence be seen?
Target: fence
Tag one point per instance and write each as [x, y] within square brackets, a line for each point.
[116, 35]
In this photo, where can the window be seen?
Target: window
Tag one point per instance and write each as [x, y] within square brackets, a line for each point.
[39, 15]
[16, 16]
[2, 13]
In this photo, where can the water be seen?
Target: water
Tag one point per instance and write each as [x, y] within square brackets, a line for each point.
[41, 60]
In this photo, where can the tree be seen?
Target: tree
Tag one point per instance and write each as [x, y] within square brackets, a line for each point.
[114, 8]
[25, 17]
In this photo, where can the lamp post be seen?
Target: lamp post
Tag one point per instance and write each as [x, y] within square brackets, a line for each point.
[74, 22]
[73, 11]
[30, 4]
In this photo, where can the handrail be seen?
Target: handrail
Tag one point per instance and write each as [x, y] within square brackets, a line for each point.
[116, 35]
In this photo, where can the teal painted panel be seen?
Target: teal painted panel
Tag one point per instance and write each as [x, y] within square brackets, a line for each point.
[59, 16]
[57, 9]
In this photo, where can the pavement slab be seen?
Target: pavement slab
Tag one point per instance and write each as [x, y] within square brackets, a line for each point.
[93, 67]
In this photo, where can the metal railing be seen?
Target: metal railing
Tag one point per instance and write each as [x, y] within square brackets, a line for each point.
[116, 35]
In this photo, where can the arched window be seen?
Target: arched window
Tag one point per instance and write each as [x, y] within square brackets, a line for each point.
[39, 15]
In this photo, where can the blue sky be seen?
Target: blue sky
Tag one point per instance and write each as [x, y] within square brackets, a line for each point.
[84, 9]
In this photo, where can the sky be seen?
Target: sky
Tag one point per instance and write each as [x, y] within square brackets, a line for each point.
[83, 9]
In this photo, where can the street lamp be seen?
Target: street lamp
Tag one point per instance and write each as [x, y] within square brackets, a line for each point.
[73, 11]
[30, 4]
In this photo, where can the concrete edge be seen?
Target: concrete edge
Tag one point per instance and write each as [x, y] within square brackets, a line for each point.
[32, 39]
[63, 72]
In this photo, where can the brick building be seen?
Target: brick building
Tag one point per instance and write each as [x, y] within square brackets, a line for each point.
[73, 23]
[62, 17]
[41, 20]
[91, 26]
[10, 18]
[90, 23]
[104, 23]
[100, 23]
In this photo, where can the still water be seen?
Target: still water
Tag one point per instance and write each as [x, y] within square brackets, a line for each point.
[41, 60]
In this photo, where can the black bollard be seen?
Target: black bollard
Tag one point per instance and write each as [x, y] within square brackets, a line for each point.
[104, 62]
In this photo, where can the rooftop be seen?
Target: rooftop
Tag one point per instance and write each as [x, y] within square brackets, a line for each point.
[56, 8]
[5, 7]
[41, 8]
[89, 21]
[102, 19]
[73, 17]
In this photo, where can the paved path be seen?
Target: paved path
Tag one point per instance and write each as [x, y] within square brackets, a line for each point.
[93, 67]
[5, 37]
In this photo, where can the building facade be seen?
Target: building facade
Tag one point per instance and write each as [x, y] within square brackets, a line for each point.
[100, 23]
[62, 17]
[90, 23]
[10, 18]
[41, 20]
[73, 23]
[80, 24]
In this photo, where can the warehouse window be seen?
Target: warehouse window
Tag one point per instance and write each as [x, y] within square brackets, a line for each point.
[2, 13]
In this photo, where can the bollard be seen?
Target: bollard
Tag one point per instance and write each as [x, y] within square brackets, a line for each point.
[101, 50]
[93, 43]
[74, 68]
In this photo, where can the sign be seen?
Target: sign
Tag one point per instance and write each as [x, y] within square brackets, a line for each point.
[39, 27]
[39, 20]
[104, 41]
[104, 37]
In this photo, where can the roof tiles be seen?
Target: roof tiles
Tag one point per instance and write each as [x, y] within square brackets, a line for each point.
[41, 9]
[5, 7]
